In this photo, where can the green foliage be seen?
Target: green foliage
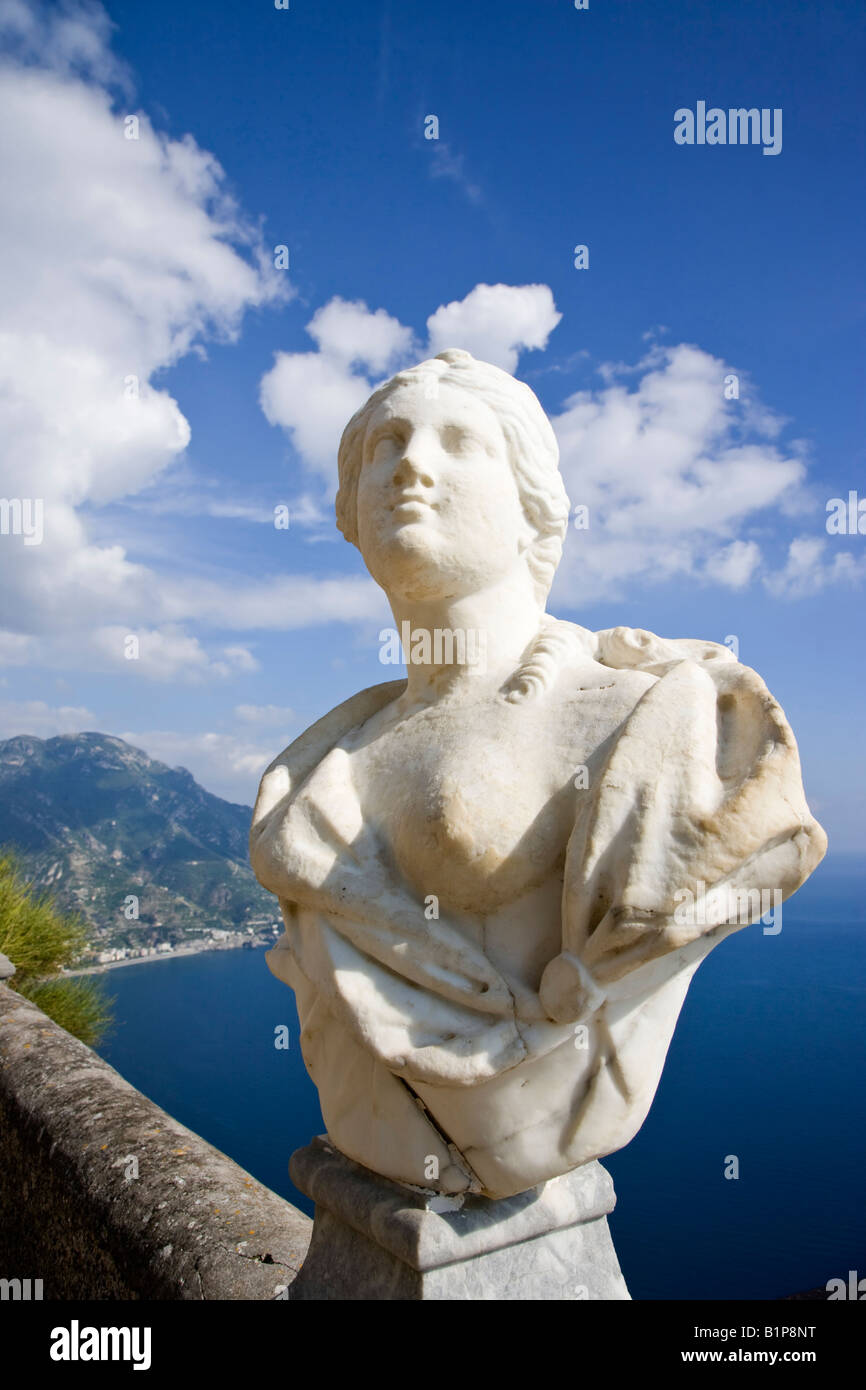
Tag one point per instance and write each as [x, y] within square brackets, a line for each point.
[78, 1005]
[40, 941]
[37, 939]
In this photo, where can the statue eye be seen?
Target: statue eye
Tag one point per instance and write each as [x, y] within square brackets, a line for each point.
[457, 440]
[384, 442]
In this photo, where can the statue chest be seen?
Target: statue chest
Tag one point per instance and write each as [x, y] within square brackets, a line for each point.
[475, 807]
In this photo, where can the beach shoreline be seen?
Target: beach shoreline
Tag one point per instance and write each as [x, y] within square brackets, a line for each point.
[191, 948]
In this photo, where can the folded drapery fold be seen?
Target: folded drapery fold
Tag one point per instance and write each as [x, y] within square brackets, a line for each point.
[701, 792]
[701, 798]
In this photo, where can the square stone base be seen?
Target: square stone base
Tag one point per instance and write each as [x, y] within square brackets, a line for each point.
[377, 1239]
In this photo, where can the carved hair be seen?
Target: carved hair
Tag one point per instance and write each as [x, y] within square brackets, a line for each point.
[531, 445]
[555, 645]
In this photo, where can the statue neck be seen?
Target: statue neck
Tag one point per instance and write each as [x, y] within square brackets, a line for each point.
[476, 640]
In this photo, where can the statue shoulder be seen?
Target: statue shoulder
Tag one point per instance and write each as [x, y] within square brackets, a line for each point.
[688, 673]
[320, 737]
[626, 648]
[633, 648]
[302, 755]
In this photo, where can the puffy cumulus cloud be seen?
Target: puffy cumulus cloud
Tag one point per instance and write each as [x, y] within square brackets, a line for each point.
[495, 323]
[808, 569]
[676, 479]
[117, 257]
[348, 332]
[311, 395]
[671, 473]
[224, 764]
[40, 720]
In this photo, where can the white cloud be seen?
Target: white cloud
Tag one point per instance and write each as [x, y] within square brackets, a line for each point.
[734, 564]
[674, 474]
[806, 571]
[308, 511]
[281, 603]
[495, 322]
[16, 648]
[311, 395]
[164, 654]
[671, 472]
[117, 257]
[40, 720]
[169, 652]
[228, 766]
[349, 332]
[69, 37]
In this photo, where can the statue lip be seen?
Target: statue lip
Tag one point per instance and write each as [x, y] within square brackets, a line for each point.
[410, 499]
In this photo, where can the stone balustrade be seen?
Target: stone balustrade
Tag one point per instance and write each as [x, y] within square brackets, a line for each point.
[104, 1196]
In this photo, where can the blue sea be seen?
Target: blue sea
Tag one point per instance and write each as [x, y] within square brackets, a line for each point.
[767, 1064]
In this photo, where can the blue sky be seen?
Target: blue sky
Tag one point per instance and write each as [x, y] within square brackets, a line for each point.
[153, 258]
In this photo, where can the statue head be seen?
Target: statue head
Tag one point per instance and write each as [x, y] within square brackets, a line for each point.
[462, 439]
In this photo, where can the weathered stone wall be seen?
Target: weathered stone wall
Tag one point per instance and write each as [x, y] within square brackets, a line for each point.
[103, 1195]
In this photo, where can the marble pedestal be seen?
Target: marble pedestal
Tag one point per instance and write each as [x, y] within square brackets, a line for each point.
[377, 1239]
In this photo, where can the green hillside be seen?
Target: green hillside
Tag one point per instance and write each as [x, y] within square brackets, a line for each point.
[98, 823]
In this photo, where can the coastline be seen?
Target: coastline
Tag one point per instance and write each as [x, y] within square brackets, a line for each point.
[191, 948]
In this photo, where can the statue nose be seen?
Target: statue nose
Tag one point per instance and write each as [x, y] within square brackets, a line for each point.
[411, 470]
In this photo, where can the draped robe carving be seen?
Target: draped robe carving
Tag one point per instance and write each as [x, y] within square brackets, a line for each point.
[420, 1047]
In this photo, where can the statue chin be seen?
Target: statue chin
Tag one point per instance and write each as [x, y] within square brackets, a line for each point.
[412, 563]
[494, 905]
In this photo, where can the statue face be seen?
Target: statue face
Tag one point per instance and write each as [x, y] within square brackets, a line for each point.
[439, 514]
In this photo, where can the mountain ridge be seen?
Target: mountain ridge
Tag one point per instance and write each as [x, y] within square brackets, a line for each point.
[111, 832]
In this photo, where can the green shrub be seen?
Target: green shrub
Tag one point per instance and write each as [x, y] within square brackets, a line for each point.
[78, 1005]
[39, 940]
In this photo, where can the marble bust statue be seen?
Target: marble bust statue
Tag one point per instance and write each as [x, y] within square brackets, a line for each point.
[498, 877]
